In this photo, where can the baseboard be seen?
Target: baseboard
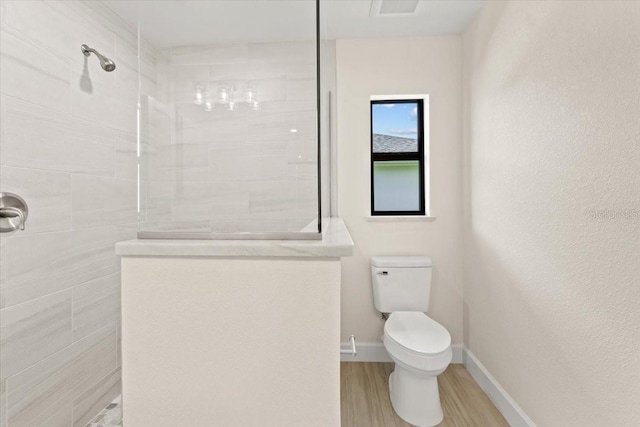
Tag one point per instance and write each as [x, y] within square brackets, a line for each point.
[515, 416]
[509, 409]
[375, 352]
[366, 352]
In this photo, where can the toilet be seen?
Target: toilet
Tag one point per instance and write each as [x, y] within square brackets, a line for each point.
[419, 346]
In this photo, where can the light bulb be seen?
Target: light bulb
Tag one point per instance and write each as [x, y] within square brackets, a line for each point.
[199, 96]
[249, 94]
[223, 95]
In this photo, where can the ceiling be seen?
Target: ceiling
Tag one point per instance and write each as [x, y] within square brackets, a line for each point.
[176, 23]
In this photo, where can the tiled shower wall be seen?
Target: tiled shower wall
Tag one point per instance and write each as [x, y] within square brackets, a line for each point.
[68, 147]
[226, 170]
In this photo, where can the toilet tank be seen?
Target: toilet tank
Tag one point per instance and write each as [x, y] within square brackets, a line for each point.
[401, 283]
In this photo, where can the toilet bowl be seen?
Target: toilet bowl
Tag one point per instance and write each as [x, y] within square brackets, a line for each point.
[419, 346]
[421, 350]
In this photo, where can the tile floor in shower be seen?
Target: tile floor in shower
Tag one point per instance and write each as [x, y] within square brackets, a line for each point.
[110, 416]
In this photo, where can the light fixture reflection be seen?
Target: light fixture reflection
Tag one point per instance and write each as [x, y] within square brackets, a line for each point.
[199, 96]
[249, 95]
[224, 95]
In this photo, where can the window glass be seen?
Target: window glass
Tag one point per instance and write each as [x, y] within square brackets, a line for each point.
[396, 185]
[397, 157]
[395, 127]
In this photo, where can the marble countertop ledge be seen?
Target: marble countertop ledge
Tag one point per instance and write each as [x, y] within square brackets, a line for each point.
[336, 242]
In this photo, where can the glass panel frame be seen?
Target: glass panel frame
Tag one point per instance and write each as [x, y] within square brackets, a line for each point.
[400, 155]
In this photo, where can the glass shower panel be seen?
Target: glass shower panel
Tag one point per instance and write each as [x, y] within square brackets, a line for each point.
[228, 117]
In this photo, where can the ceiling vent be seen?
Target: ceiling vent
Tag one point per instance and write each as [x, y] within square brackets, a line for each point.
[392, 7]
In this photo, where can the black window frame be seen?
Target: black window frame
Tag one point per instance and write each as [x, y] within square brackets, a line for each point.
[419, 156]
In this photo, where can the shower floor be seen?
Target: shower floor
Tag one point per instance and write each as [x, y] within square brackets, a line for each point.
[110, 416]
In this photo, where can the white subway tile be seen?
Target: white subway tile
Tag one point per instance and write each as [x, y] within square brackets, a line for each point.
[100, 201]
[192, 201]
[184, 78]
[33, 331]
[125, 115]
[93, 102]
[39, 264]
[3, 384]
[301, 89]
[228, 165]
[126, 51]
[126, 232]
[96, 16]
[301, 70]
[269, 90]
[68, 132]
[126, 157]
[299, 51]
[62, 417]
[230, 200]
[32, 73]
[48, 196]
[183, 162]
[126, 85]
[95, 304]
[40, 138]
[61, 378]
[94, 400]
[59, 28]
[210, 54]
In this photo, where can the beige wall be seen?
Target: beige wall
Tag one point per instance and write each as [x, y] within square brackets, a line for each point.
[400, 66]
[233, 348]
[552, 295]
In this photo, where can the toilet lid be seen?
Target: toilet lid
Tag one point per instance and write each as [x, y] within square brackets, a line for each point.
[418, 332]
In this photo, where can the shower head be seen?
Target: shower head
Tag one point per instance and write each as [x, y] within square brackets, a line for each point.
[105, 63]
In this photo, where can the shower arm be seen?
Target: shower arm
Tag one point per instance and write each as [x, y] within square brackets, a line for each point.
[87, 51]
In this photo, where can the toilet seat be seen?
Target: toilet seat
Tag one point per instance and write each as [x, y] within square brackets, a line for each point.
[413, 338]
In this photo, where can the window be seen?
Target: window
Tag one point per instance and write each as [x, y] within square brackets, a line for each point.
[397, 156]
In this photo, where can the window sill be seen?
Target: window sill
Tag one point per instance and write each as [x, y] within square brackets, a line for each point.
[400, 218]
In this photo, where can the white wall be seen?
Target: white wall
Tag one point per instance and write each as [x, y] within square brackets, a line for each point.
[552, 136]
[233, 348]
[68, 147]
[400, 66]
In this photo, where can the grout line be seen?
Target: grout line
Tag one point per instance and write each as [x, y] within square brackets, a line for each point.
[37, 298]
[96, 227]
[6, 402]
[70, 288]
[100, 380]
[100, 330]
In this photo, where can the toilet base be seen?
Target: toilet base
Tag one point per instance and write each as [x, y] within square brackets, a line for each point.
[415, 398]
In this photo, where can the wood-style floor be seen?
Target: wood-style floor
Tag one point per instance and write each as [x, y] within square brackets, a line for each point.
[364, 390]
